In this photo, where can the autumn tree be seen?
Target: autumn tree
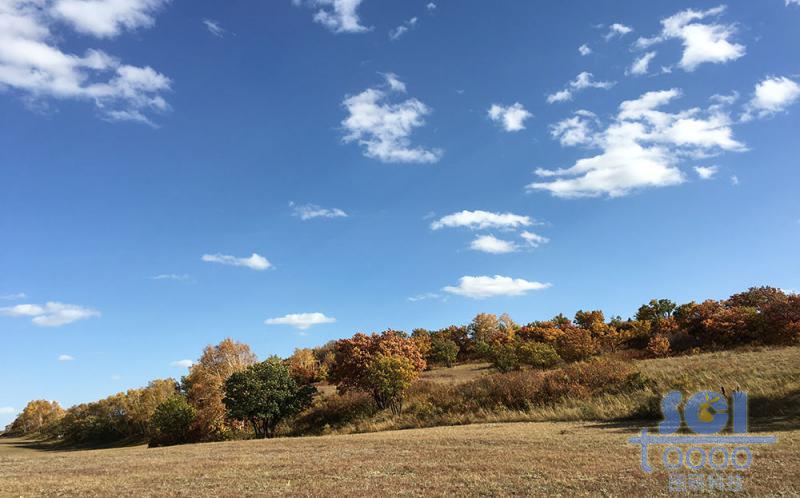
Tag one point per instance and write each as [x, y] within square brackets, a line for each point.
[204, 385]
[37, 416]
[443, 350]
[264, 394]
[353, 369]
[389, 376]
[655, 311]
[304, 366]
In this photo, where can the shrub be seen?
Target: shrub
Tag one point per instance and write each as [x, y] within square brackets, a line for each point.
[172, 422]
[576, 344]
[504, 356]
[537, 354]
[333, 412]
[658, 346]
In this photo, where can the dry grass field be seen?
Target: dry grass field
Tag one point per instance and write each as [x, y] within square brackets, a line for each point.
[541, 459]
[584, 454]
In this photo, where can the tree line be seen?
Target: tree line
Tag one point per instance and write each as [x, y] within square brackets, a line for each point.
[228, 393]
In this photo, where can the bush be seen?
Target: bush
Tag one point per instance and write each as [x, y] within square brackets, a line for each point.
[389, 377]
[658, 346]
[576, 344]
[537, 354]
[172, 422]
[504, 357]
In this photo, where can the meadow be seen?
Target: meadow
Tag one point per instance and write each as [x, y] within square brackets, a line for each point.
[570, 448]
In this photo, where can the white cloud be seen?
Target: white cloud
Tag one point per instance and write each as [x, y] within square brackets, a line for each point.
[577, 130]
[706, 172]
[171, 276]
[581, 82]
[182, 363]
[214, 27]
[792, 2]
[424, 297]
[640, 66]
[399, 31]
[432, 6]
[772, 95]
[482, 220]
[734, 180]
[492, 245]
[301, 321]
[339, 16]
[584, 49]
[33, 64]
[311, 211]
[534, 239]
[65, 357]
[7, 410]
[512, 117]
[395, 84]
[383, 129]
[484, 287]
[13, 297]
[617, 30]
[51, 314]
[254, 262]
[641, 148]
[107, 18]
[702, 43]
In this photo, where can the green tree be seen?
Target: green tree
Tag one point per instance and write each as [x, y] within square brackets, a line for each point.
[656, 310]
[172, 422]
[443, 350]
[389, 377]
[264, 394]
[537, 354]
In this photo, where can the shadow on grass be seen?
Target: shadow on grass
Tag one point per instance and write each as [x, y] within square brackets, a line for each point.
[60, 445]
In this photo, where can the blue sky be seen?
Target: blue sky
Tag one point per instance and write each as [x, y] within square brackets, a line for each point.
[286, 173]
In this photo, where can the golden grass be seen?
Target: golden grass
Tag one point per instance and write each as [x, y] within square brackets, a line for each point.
[538, 459]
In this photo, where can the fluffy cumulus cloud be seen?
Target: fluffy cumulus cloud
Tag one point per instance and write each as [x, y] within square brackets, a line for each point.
[107, 18]
[584, 49]
[702, 42]
[772, 95]
[485, 287]
[617, 30]
[300, 321]
[182, 363]
[33, 64]
[482, 220]
[383, 128]
[581, 82]
[311, 211]
[577, 130]
[641, 148]
[254, 262]
[642, 64]
[511, 118]
[51, 314]
[65, 357]
[339, 16]
[492, 245]
[706, 172]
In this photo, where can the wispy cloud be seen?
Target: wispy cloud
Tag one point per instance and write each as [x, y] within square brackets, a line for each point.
[339, 16]
[51, 314]
[311, 211]
[706, 172]
[581, 82]
[641, 65]
[617, 30]
[254, 262]
[13, 297]
[584, 50]
[397, 32]
[181, 277]
[485, 287]
[182, 363]
[424, 297]
[7, 410]
[65, 357]
[492, 245]
[301, 321]
[214, 28]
